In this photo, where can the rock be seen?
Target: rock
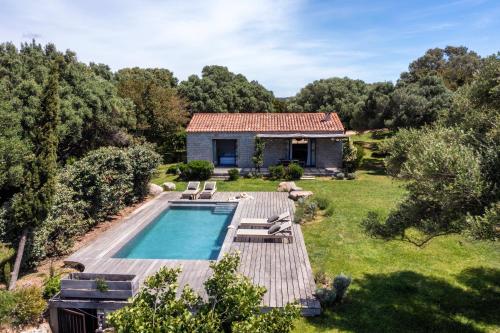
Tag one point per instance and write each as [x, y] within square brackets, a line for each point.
[168, 186]
[155, 189]
[296, 195]
[288, 187]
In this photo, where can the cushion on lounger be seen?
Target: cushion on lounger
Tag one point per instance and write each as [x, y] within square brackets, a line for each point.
[274, 229]
[273, 218]
[209, 186]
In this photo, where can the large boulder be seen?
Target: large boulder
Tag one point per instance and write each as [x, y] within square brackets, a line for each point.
[155, 189]
[288, 187]
[296, 195]
[168, 186]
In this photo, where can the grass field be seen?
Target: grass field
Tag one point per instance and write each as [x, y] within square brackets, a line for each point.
[450, 285]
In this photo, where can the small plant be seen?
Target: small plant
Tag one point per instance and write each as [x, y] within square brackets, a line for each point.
[294, 171]
[351, 176]
[258, 154]
[52, 284]
[277, 171]
[101, 285]
[320, 277]
[339, 176]
[173, 169]
[6, 273]
[326, 296]
[341, 283]
[29, 306]
[305, 211]
[234, 174]
[196, 170]
[322, 202]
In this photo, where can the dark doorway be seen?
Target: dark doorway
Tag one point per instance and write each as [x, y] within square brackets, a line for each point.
[225, 152]
[299, 151]
[77, 320]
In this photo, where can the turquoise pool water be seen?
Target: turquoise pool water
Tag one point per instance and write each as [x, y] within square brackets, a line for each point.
[180, 232]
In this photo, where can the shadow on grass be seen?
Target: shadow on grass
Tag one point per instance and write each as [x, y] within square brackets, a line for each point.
[373, 166]
[406, 301]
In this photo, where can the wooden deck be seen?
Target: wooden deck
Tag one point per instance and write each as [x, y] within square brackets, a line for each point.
[283, 268]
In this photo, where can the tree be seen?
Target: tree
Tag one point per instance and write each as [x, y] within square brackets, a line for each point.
[233, 305]
[258, 154]
[33, 204]
[455, 65]
[159, 110]
[420, 103]
[219, 90]
[377, 108]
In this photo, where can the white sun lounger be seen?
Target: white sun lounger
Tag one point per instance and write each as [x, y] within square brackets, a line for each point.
[208, 190]
[263, 222]
[284, 232]
[192, 190]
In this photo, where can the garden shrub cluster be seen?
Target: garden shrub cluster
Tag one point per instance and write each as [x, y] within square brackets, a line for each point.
[233, 305]
[307, 209]
[234, 174]
[196, 170]
[21, 307]
[90, 191]
[291, 172]
[335, 294]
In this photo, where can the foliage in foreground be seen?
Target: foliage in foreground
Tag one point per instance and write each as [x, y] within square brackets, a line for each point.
[233, 305]
[21, 307]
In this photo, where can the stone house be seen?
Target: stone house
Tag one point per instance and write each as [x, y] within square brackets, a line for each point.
[314, 140]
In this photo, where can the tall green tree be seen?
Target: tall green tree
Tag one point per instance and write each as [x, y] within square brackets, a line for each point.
[32, 205]
[219, 90]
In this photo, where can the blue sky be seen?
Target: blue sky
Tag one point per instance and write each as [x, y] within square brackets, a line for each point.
[282, 44]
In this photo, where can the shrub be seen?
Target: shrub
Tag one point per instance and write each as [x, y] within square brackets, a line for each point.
[340, 284]
[339, 175]
[351, 176]
[277, 171]
[173, 169]
[294, 171]
[29, 306]
[322, 202]
[51, 286]
[7, 303]
[6, 273]
[305, 211]
[320, 277]
[352, 156]
[197, 170]
[234, 174]
[144, 161]
[326, 296]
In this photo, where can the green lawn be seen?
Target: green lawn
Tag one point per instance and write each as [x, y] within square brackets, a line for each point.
[450, 285]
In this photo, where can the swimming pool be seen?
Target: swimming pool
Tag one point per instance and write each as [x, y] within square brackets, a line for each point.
[182, 232]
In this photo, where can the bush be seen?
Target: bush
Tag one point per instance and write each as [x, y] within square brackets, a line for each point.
[277, 171]
[197, 170]
[144, 161]
[294, 171]
[52, 284]
[352, 156]
[326, 296]
[7, 303]
[340, 284]
[322, 202]
[7, 270]
[234, 174]
[29, 306]
[351, 176]
[173, 169]
[339, 175]
[305, 211]
[320, 277]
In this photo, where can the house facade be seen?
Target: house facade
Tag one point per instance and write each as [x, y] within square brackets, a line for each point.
[227, 139]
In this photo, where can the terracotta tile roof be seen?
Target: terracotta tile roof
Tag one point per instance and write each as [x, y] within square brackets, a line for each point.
[265, 122]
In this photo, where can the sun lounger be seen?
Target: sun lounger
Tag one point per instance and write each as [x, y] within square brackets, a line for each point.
[192, 190]
[283, 231]
[263, 222]
[208, 190]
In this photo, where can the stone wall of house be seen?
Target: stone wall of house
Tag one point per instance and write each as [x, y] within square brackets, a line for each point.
[275, 150]
[328, 153]
[200, 147]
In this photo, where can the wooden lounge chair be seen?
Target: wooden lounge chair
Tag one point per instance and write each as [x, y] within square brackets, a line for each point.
[284, 231]
[208, 190]
[192, 190]
[263, 222]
